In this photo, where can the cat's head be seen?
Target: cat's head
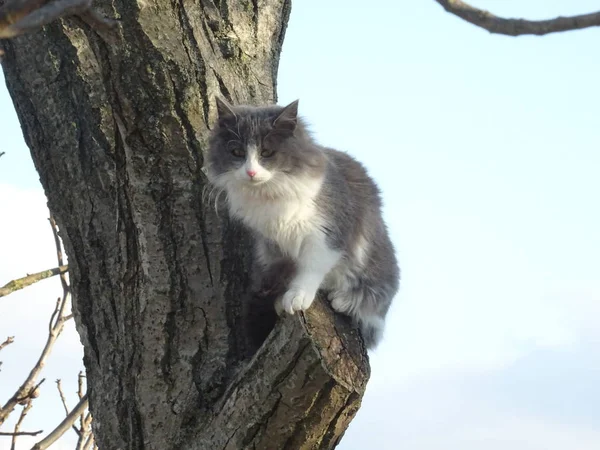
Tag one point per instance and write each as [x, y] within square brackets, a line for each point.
[261, 148]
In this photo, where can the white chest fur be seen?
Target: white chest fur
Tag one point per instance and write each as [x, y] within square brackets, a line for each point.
[285, 221]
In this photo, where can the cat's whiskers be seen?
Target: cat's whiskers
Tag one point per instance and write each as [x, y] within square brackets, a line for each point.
[211, 195]
[219, 192]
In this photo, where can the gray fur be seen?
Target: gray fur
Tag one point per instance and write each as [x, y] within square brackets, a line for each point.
[365, 279]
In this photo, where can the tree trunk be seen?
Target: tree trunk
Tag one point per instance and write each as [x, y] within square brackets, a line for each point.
[117, 124]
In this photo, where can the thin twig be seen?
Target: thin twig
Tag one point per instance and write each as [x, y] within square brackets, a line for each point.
[59, 252]
[518, 27]
[17, 428]
[80, 394]
[64, 402]
[62, 396]
[28, 389]
[21, 433]
[84, 426]
[28, 280]
[55, 316]
[80, 379]
[9, 340]
[55, 328]
[63, 278]
[63, 426]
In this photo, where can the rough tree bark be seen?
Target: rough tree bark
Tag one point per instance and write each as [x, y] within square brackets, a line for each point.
[117, 125]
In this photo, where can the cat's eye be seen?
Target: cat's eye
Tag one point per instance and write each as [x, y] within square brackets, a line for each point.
[238, 152]
[267, 152]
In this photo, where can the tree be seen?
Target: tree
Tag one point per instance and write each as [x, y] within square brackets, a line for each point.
[116, 117]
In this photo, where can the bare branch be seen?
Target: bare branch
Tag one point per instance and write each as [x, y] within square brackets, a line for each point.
[62, 318]
[34, 392]
[27, 389]
[28, 280]
[63, 426]
[59, 253]
[64, 402]
[80, 393]
[89, 442]
[9, 340]
[86, 438]
[518, 27]
[22, 16]
[21, 433]
[54, 316]
[63, 279]
[62, 396]
[17, 428]
[2, 153]
[80, 379]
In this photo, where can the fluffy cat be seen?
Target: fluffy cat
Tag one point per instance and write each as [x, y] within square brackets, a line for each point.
[315, 206]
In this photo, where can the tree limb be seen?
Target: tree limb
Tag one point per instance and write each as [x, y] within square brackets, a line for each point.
[28, 280]
[23, 16]
[518, 27]
[301, 389]
[63, 426]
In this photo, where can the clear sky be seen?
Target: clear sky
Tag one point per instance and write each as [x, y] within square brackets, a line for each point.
[487, 150]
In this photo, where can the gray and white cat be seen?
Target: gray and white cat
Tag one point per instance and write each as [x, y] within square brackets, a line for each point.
[316, 206]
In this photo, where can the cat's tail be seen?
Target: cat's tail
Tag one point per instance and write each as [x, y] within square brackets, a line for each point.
[371, 328]
[367, 308]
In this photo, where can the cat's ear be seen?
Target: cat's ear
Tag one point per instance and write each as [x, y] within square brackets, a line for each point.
[287, 118]
[224, 109]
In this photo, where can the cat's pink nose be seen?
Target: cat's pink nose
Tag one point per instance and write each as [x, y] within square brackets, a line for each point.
[251, 173]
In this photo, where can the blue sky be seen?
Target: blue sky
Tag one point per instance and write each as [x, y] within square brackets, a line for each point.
[487, 150]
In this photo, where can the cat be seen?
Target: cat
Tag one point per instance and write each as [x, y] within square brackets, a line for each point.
[313, 205]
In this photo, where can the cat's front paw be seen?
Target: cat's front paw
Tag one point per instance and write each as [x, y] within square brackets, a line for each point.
[295, 299]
